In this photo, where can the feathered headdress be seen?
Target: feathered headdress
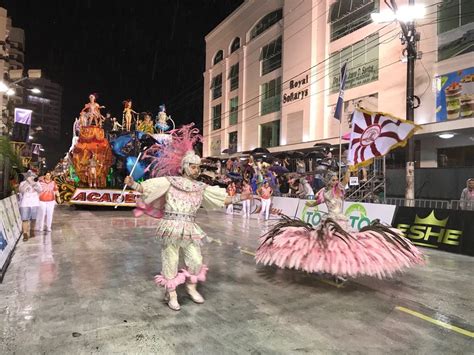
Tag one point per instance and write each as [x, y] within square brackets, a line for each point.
[167, 159]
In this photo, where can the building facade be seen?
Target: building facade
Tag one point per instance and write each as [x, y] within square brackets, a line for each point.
[12, 60]
[272, 76]
[46, 107]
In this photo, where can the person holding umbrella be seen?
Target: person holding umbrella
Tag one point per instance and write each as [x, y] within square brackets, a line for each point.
[29, 202]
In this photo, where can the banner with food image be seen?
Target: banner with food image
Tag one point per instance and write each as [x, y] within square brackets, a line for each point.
[455, 95]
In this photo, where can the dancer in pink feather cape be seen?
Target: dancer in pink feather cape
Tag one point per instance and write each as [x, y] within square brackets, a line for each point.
[331, 248]
[173, 195]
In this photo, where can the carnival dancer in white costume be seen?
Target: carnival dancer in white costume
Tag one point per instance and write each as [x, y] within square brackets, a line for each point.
[175, 200]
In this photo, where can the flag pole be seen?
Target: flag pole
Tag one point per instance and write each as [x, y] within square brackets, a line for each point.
[340, 145]
[340, 109]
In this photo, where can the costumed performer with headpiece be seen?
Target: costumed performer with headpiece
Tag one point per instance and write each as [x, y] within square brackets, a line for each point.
[92, 111]
[174, 196]
[332, 248]
[127, 115]
[162, 120]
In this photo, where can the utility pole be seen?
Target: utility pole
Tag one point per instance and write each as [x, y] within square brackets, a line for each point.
[410, 38]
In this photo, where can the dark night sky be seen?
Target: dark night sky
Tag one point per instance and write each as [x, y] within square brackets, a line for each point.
[150, 51]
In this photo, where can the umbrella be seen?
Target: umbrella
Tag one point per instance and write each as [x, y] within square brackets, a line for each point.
[212, 158]
[228, 151]
[296, 155]
[281, 155]
[315, 155]
[235, 176]
[208, 167]
[260, 151]
[322, 145]
[280, 170]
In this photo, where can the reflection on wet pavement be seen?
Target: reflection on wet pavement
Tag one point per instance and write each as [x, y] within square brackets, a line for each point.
[87, 287]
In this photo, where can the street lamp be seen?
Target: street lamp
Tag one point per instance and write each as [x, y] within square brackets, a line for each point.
[35, 91]
[3, 87]
[406, 16]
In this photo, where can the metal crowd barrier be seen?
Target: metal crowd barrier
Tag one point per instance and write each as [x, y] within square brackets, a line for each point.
[442, 204]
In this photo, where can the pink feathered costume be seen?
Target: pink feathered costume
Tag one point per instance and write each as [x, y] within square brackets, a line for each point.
[376, 250]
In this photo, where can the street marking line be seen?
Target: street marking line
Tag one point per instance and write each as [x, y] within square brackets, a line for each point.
[426, 245]
[331, 283]
[243, 251]
[436, 322]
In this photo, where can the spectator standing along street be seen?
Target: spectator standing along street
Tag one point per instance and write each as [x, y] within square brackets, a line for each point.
[467, 196]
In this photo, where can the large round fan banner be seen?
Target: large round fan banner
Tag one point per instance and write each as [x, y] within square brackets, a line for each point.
[374, 134]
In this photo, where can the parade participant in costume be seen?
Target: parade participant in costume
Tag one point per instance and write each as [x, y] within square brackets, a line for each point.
[265, 192]
[92, 171]
[115, 125]
[83, 121]
[107, 125]
[246, 197]
[47, 202]
[128, 115]
[162, 120]
[146, 125]
[231, 191]
[332, 248]
[29, 201]
[175, 200]
[92, 111]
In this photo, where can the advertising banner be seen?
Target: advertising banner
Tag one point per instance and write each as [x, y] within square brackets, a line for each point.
[455, 95]
[359, 214]
[10, 229]
[449, 230]
[97, 197]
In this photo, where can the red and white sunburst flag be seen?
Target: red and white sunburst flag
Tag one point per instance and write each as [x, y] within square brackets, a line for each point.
[374, 134]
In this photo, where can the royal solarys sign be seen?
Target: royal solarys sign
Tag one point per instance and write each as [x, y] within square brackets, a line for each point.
[448, 230]
[97, 197]
[358, 214]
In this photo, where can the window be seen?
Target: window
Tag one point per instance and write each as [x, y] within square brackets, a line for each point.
[218, 57]
[362, 63]
[348, 16]
[235, 45]
[216, 86]
[270, 134]
[271, 96]
[216, 117]
[234, 77]
[270, 56]
[233, 141]
[455, 28]
[234, 111]
[456, 157]
[454, 13]
[266, 22]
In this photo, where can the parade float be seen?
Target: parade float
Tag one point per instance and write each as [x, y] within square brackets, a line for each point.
[103, 152]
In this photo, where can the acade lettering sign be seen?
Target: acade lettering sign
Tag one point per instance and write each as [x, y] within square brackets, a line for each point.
[448, 230]
[299, 92]
[103, 197]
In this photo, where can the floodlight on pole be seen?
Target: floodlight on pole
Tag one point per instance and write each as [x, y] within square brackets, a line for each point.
[406, 13]
[3, 87]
